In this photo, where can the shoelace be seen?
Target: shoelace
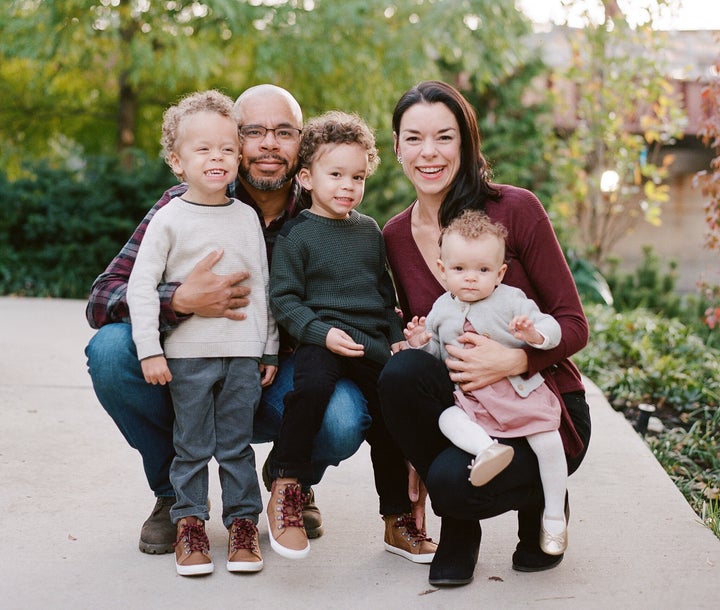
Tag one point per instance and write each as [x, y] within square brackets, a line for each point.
[412, 533]
[291, 503]
[193, 538]
[242, 535]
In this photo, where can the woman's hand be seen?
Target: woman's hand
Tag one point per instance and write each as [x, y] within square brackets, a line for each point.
[482, 361]
[417, 494]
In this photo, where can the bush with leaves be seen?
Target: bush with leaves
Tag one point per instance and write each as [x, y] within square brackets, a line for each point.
[59, 227]
[642, 357]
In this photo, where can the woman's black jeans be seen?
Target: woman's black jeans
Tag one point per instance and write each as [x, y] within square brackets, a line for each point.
[414, 388]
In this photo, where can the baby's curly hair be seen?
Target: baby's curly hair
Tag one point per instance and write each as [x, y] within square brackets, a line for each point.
[201, 101]
[335, 127]
[471, 224]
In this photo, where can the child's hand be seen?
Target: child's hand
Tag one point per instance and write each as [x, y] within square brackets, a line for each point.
[267, 374]
[339, 342]
[155, 370]
[522, 328]
[415, 332]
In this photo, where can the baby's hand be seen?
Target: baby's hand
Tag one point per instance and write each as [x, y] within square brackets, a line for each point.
[155, 370]
[415, 332]
[523, 328]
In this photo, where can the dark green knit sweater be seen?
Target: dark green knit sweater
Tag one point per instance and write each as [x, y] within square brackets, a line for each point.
[332, 273]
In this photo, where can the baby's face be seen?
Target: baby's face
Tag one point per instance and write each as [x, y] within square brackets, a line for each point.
[471, 268]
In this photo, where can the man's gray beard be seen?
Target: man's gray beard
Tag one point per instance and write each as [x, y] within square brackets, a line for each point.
[265, 184]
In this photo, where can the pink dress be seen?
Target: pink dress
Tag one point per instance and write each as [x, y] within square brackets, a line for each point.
[503, 413]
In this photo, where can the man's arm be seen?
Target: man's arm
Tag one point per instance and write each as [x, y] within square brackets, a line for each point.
[203, 292]
[108, 296]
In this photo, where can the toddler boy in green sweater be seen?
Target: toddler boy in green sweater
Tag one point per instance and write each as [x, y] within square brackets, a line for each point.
[331, 290]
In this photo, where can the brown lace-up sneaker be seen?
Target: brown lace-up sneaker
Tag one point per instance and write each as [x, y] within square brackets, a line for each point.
[311, 516]
[243, 548]
[311, 513]
[285, 519]
[192, 548]
[158, 533]
[403, 538]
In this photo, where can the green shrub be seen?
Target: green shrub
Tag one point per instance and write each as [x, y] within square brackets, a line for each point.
[640, 356]
[643, 357]
[59, 227]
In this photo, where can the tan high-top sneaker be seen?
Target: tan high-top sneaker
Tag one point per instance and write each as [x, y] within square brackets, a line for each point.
[285, 522]
[192, 548]
[243, 548]
[403, 538]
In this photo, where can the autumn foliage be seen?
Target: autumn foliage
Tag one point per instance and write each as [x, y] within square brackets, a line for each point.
[709, 180]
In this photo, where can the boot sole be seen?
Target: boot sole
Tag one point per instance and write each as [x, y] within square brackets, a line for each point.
[315, 532]
[155, 549]
[426, 558]
[450, 582]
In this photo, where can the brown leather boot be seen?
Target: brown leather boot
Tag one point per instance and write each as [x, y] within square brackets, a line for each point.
[158, 533]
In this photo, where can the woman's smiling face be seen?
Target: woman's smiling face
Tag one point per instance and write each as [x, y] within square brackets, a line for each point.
[428, 142]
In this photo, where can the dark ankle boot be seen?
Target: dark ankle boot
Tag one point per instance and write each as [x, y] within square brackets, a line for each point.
[528, 556]
[457, 553]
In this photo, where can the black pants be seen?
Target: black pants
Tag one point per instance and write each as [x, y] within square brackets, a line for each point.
[317, 370]
[414, 388]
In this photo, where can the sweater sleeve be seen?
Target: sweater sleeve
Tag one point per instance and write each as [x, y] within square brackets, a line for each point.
[142, 290]
[287, 290]
[544, 323]
[387, 291]
[552, 286]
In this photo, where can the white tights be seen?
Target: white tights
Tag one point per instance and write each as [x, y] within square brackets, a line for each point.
[466, 434]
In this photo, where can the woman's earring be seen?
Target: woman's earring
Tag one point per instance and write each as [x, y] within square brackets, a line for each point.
[399, 158]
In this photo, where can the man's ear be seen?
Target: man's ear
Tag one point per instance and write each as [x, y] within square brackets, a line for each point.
[304, 178]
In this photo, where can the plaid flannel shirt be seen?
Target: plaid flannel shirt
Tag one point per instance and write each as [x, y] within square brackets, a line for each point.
[107, 302]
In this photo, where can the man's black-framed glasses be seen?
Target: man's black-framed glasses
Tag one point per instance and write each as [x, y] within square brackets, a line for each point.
[282, 134]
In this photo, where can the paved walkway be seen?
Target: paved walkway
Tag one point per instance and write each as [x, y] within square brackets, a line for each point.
[73, 497]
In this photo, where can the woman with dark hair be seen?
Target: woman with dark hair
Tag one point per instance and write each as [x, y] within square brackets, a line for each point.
[437, 142]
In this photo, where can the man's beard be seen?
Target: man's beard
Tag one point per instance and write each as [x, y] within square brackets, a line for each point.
[262, 183]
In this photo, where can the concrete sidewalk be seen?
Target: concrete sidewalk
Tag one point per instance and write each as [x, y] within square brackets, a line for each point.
[73, 498]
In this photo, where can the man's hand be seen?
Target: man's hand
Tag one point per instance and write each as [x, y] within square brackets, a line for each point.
[207, 294]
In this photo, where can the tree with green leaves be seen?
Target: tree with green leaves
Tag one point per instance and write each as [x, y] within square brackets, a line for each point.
[83, 77]
[610, 164]
[92, 76]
